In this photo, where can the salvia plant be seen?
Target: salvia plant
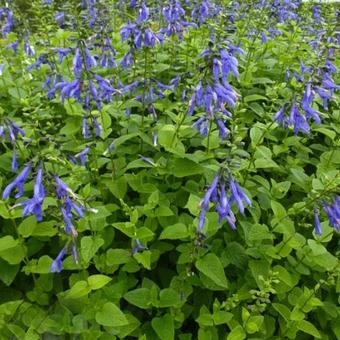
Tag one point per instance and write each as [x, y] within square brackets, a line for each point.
[169, 169]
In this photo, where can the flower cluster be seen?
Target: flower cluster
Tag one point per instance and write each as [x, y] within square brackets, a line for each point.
[139, 35]
[7, 21]
[212, 96]
[12, 131]
[217, 194]
[203, 10]
[70, 207]
[173, 13]
[333, 212]
[317, 82]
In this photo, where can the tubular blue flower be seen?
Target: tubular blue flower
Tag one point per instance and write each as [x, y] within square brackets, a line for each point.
[280, 117]
[28, 49]
[217, 194]
[223, 131]
[72, 89]
[62, 53]
[237, 195]
[60, 18]
[62, 189]
[71, 205]
[13, 46]
[97, 127]
[83, 155]
[127, 59]
[84, 128]
[75, 252]
[205, 202]
[318, 228]
[106, 59]
[78, 63]
[34, 205]
[69, 228]
[9, 21]
[57, 264]
[18, 183]
[14, 130]
[201, 221]
[89, 60]
[155, 139]
[298, 121]
[138, 247]
[147, 160]
[14, 164]
[333, 212]
[143, 13]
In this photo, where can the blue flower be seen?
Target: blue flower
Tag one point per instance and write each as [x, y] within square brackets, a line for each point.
[75, 252]
[57, 264]
[84, 128]
[18, 183]
[138, 247]
[78, 63]
[28, 49]
[69, 228]
[143, 13]
[217, 194]
[89, 60]
[238, 195]
[83, 155]
[298, 120]
[62, 189]
[333, 212]
[318, 228]
[14, 164]
[280, 117]
[62, 53]
[60, 18]
[34, 205]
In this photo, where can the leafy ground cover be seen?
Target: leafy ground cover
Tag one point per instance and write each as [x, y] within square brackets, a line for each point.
[169, 170]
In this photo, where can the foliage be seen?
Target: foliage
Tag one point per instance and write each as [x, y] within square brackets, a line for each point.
[169, 170]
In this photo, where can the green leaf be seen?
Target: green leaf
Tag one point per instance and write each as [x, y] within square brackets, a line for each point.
[7, 242]
[27, 226]
[117, 256]
[89, 247]
[255, 135]
[13, 255]
[78, 290]
[184, 167]
[144, 258]
[193, 204]
[278, 209]
[221, 317]
[254, 324]
[111, 316]
[283, 310]
[42, 266]
[211, 266]
[168, 297]
[117, 187]
[253, 98]
[309, 328]
[98, 281]
[164, 327]
[8, 272]
[237, 333]
[173, 232]
[139, 297]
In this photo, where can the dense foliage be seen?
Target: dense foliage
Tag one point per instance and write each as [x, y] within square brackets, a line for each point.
[169, 170]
